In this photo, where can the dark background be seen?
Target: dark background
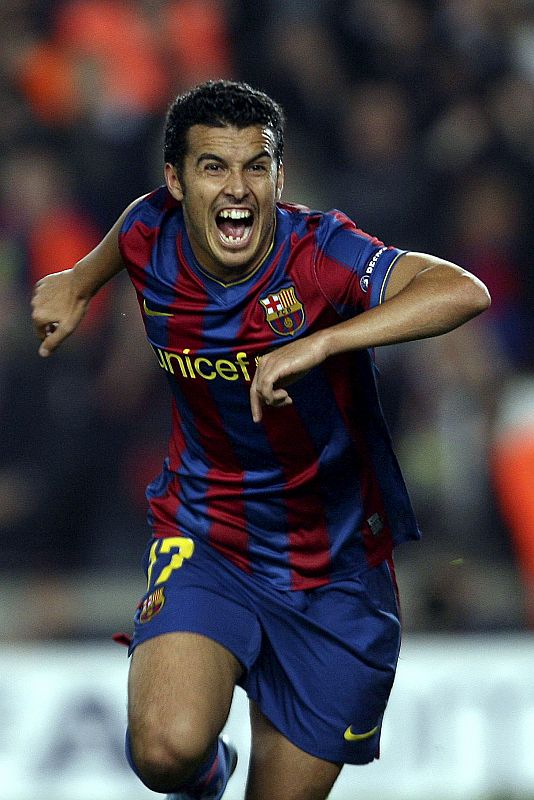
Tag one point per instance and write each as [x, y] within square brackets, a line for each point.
[416, 119]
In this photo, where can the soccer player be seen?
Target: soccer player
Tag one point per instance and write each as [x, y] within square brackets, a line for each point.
[280, 500]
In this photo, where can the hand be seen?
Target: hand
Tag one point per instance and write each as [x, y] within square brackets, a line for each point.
[57, 309]
[281, 368]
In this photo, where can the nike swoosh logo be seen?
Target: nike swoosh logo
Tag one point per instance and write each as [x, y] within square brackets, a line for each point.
[358, 737]
[148, 311]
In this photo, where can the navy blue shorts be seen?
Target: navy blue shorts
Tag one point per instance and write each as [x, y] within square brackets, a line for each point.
[319, 663]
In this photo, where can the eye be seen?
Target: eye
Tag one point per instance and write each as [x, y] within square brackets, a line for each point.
[258, 168]
[213, 167]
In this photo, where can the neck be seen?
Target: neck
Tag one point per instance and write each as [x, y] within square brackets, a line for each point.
[228, 275]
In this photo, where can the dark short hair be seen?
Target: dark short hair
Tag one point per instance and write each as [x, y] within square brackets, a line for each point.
[219, 103]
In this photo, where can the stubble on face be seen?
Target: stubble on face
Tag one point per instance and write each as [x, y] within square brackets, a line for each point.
[228, 188]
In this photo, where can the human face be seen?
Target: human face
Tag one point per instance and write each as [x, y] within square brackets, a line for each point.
[228, 189]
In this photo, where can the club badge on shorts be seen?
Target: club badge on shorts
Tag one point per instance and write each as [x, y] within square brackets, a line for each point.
[283, 311]
[152, 605]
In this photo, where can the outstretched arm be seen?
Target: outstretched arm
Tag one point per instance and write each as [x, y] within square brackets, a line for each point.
[426, 296]
[60, 299]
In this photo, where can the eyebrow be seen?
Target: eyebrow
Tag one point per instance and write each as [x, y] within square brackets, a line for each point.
[215, 157]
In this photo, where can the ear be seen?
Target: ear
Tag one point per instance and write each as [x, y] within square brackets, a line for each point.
[173, 182]
[280, 182]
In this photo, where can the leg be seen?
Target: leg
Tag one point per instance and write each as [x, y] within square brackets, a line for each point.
[280, 770]
[180, 689]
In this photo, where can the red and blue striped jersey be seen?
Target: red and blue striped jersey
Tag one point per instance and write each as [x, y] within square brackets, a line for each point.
[313, 492]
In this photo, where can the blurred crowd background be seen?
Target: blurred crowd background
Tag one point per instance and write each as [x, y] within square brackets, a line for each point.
[414, 117]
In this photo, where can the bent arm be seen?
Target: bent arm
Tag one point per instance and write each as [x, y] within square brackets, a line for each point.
[60, 299]
[426, 296]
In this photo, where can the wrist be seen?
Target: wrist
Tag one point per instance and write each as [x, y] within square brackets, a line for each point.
[329, 342]
[83, 284]
[324, 343]
[349, 335]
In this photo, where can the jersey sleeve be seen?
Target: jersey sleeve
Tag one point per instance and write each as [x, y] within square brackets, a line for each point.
[140, 229]
[351, 267]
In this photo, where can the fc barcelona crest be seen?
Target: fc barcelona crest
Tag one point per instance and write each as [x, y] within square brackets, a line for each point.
[283, 311]
[152, 605]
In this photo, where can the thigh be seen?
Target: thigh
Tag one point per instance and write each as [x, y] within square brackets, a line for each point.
[180, 682]
[191, 589]
[192, 639]
[280, 769]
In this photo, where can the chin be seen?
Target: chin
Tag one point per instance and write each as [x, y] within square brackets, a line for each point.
[238, 258]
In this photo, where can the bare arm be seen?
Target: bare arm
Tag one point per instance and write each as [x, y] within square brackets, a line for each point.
[426, 296]
[60, 299]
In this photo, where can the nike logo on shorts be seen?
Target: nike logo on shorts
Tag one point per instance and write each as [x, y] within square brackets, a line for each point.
[358, 737]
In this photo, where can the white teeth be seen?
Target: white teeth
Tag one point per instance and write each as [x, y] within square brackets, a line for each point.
[235, 213]
[234, 239]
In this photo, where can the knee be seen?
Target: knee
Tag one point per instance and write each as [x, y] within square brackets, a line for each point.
[165, 758]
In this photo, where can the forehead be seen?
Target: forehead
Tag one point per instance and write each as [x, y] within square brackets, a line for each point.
[229, 142]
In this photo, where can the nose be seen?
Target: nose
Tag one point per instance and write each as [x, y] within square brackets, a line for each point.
[236, 185]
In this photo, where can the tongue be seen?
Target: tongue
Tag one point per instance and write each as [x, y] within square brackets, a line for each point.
[232, 227]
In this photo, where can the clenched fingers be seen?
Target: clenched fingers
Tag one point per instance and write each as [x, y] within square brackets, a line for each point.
[264, 392]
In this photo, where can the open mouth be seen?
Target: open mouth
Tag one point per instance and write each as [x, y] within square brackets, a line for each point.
[234, 225]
